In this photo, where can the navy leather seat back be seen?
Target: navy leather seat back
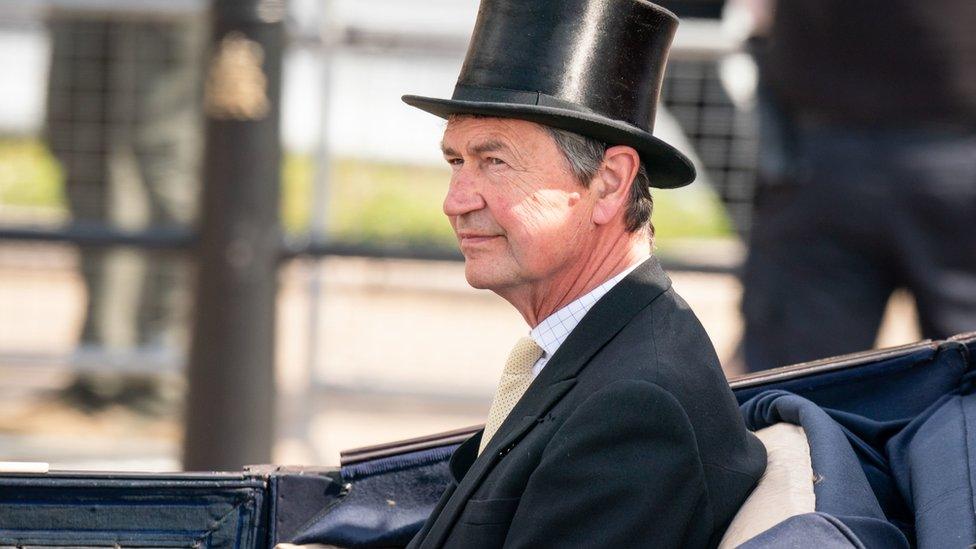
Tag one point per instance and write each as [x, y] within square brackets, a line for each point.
[910, 421]
[933, 461]
[208, 510]
[894, 388]
[386, 503]
[851, 481]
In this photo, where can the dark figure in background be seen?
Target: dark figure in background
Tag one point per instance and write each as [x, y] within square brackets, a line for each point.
[123, 120]
[867, 176]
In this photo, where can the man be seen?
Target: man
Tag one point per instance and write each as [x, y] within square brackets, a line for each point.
[122, 120]
[867, 176]
[613, 424]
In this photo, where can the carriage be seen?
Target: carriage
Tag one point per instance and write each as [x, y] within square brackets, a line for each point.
[871, 449]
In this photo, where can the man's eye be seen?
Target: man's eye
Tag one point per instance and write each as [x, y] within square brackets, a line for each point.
[495, 161]
[455, 161]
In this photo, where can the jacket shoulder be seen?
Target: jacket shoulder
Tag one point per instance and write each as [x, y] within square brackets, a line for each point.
[666, 345]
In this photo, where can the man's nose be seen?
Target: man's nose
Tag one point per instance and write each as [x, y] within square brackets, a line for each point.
[463, 195]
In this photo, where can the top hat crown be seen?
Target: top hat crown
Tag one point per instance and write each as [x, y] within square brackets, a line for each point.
[593, 67]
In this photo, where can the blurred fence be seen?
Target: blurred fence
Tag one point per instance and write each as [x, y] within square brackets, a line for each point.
[99, 184]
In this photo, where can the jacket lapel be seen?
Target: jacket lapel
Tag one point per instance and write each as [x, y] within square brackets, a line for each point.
[607, 317]
[464, 456]
[473, 472]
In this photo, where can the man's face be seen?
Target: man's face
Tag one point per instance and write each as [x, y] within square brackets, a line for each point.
[521, 218]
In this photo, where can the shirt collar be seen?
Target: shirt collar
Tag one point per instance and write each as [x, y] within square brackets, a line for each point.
[554, 329]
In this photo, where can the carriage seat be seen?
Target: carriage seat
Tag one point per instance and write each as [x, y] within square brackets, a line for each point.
[785, 489]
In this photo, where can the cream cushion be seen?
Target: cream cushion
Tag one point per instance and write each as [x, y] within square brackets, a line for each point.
[785, 489]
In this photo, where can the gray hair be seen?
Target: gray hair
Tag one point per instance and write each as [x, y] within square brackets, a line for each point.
[585, 156]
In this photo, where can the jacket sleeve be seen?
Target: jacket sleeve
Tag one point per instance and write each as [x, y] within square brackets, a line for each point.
[622, 471]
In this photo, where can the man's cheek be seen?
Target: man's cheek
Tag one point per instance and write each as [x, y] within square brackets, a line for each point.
[521, 186]
[545, 210]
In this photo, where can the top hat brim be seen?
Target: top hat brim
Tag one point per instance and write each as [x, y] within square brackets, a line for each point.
[667, 167]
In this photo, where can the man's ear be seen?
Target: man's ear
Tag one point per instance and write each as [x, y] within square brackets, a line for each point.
[612, 183]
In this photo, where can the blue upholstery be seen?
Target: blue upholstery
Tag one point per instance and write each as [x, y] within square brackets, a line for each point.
[893, 389]
[901, 448]
[933, 464]
[387, 503]
[131, 510]
[841, 484]
[298, 496]
[807, 531]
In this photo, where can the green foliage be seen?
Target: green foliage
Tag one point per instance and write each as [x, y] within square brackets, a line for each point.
[370, 202]
[296, 192]
[694, 211]
[389, 203]
[29, 176]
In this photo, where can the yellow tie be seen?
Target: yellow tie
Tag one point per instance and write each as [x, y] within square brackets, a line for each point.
[515, 380]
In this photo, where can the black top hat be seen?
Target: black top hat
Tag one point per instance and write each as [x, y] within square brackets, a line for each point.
[593, 67]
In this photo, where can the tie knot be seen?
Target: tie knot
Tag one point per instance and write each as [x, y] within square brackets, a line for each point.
[523, 356]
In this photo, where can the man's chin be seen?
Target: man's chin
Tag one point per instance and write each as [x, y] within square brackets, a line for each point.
[477, 281]
[479, 277]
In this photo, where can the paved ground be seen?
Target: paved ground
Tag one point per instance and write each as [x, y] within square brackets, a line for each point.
[401, 349]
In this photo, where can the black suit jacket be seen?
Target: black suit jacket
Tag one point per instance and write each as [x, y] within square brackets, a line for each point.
[628, 437]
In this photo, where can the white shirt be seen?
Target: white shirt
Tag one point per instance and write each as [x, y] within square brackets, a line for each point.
[553, 331]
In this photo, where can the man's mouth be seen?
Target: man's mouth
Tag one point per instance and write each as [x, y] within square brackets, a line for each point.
[474, 239]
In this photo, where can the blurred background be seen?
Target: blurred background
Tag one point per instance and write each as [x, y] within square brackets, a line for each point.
[376, 336]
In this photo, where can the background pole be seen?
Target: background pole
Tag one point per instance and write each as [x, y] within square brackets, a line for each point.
[229, 414]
